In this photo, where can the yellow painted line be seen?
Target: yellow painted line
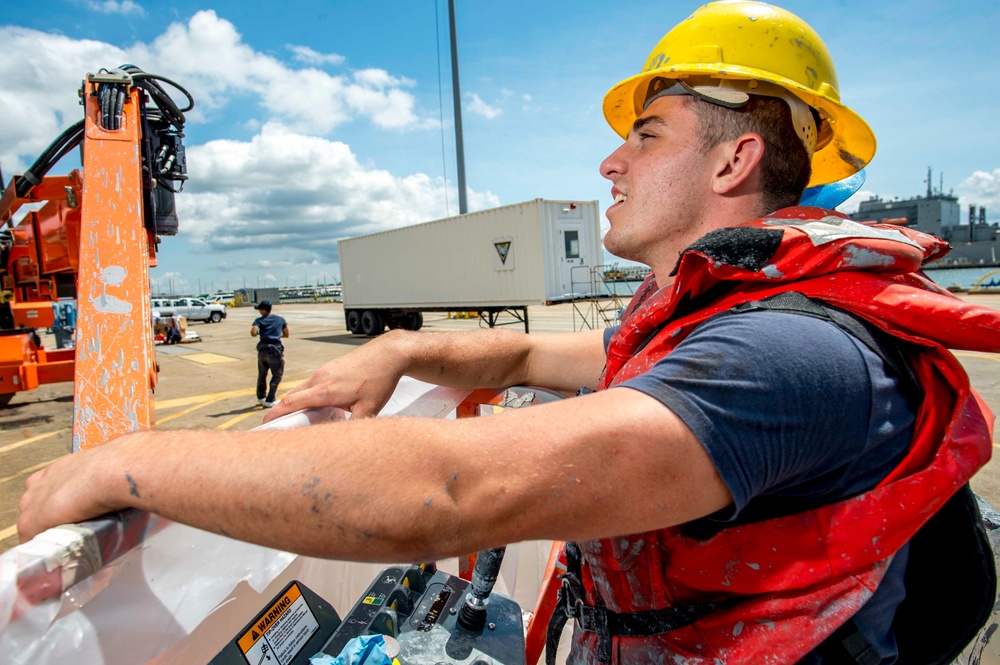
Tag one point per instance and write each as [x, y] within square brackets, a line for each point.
[201, 405]
[8, 532]
[12, 446]
[208, 358]
[243, 416]
[27, 471]
[985, 356]
[197, 399]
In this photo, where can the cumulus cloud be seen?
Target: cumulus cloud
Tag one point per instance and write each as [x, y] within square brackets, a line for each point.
[851, 205]
[115, 7]
[169, 282]
[234, 201]
[289, 190]
[982, 188]
[42, 73]
[479, 107]
[308, 56]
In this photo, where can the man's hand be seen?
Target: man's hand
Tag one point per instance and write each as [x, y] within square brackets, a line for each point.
[62, 493]
[361, 381]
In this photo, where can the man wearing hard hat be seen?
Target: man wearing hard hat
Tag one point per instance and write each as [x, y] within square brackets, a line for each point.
[763, 440]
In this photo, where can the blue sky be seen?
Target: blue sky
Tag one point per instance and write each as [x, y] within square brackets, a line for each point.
[321, 120]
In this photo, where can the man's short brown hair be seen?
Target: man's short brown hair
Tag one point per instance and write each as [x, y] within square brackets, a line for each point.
[785, 166]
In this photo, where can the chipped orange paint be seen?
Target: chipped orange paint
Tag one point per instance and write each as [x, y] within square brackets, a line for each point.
[114, 352]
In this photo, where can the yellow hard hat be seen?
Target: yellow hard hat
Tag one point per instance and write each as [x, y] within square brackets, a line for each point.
[749, 41]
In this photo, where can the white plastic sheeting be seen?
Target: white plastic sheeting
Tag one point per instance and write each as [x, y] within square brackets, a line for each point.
[182, 593]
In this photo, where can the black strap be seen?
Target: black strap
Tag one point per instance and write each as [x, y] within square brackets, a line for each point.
[571, 604]
[847, 646]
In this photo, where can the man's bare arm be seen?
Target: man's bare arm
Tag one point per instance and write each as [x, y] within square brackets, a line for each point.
[398, 489]
[362, 380]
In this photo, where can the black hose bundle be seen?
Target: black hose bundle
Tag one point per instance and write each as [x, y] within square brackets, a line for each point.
[111, 98]
[69, 139]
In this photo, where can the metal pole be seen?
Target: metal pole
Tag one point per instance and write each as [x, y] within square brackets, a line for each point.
[463, 205]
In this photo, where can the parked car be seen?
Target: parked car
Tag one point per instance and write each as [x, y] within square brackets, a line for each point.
[193, 309]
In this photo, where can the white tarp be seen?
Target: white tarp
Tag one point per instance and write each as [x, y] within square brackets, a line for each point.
[183, 593]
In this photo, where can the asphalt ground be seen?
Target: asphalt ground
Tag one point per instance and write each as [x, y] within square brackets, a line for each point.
[211, 384]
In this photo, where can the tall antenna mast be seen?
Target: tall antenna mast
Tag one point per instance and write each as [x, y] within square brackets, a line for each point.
[463, 204]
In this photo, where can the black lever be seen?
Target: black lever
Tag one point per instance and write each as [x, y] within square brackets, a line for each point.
[484, 576]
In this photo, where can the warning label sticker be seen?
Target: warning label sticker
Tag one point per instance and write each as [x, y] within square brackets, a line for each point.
[281, 631]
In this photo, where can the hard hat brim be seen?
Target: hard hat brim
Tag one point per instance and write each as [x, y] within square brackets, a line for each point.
[830, 163]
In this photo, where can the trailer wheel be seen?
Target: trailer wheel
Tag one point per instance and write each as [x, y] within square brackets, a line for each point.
[415, 321]
[371, 323]
[354, 321]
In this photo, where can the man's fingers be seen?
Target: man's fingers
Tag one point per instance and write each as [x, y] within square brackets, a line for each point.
[295, 401]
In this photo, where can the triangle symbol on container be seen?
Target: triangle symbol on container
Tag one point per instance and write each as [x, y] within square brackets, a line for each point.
[254, 635]
[503, 248]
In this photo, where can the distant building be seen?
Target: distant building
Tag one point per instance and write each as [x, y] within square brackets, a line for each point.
[973, 241]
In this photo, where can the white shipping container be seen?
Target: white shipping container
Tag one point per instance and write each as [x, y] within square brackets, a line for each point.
[506, 258]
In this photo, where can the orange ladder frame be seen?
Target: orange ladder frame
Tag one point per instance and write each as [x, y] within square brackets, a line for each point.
[115, 358]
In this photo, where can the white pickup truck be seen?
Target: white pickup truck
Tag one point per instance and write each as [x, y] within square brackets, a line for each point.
[193, 309]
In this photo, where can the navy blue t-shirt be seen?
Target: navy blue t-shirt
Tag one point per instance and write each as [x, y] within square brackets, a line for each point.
[794, 413]
[269, 329]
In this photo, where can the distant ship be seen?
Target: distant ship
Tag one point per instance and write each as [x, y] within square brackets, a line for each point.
[974, 242]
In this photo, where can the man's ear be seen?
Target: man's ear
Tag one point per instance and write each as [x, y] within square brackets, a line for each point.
[738, 162]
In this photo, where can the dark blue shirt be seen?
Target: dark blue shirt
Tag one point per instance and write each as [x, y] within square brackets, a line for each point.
[794, 413]
[269, 329]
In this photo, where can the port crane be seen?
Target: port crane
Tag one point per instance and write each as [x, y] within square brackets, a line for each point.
[92, 236]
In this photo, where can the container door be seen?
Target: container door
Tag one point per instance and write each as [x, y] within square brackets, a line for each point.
[570, 239]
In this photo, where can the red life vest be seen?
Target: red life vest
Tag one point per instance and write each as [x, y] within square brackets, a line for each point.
[787, 583]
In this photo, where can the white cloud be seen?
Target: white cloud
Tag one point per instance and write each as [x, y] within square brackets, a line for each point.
[982, 188]
[169, 282]
[115, 7]
[851, 205]
[236, 199]
[308, 100]
[479, 107]
[308, 56]
[42, 73]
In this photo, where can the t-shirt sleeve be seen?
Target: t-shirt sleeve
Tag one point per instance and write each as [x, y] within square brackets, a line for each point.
[783, 404]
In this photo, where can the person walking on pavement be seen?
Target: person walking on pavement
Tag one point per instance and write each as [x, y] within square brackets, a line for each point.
[270, 352]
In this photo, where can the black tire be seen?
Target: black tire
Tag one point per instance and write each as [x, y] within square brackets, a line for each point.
[372, 323]
[416, 321]
[5, 399]
[354, 321]
[216, 317]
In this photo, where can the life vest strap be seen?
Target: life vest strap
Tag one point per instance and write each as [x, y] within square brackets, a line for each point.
[571, 604]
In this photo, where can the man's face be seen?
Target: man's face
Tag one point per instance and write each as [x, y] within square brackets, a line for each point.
[661, 181]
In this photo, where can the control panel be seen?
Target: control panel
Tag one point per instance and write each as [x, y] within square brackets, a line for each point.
[417, 609]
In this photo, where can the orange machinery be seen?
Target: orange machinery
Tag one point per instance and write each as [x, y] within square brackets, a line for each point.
[92, 236]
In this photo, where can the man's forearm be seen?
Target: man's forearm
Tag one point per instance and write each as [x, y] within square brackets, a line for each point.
[477, 359]
[292, 494]
[502, 358]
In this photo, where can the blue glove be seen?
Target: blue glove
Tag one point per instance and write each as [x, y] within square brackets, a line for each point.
[364, 650]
